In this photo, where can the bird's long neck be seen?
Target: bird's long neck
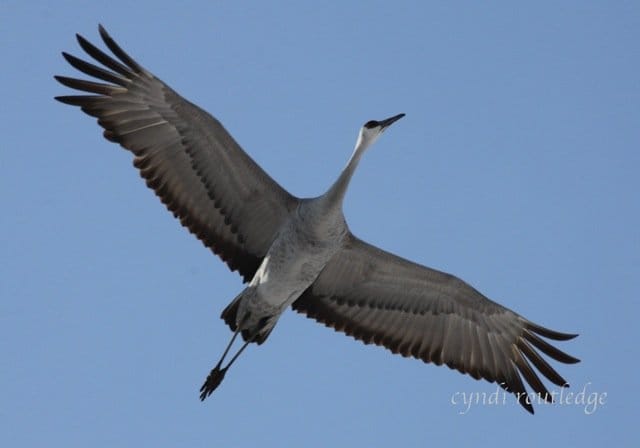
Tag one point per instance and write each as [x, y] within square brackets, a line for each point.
[335, 194]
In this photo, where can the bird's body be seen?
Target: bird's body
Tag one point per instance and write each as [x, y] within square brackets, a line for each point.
[309, 238]
[300, 252]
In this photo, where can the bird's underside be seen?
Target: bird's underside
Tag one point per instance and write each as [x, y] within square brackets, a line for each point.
[237, 210]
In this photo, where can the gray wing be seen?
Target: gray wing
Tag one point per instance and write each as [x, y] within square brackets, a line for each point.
[377, 297]
[185, 155]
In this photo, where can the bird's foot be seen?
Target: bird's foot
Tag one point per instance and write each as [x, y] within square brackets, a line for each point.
[212, 382]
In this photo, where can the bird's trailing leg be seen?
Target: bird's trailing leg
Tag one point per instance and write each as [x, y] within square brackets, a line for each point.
[217, 373]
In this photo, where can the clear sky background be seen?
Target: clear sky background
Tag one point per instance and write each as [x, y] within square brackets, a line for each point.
[516, 168]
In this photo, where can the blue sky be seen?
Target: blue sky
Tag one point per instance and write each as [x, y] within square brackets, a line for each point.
[516, 168]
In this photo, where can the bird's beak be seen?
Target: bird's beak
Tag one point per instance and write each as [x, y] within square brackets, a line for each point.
[384, 124]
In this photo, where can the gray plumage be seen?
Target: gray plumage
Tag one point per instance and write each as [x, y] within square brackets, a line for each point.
[300, 252]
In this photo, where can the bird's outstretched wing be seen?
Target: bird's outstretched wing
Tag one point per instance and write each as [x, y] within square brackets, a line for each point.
[377, 297]
[185, 155]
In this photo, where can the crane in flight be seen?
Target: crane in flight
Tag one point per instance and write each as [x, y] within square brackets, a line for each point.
[299, 252]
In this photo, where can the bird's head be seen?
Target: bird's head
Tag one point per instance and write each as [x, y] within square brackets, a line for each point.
[372, 130]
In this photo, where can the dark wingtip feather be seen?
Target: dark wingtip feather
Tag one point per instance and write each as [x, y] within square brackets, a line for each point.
[82, 41]
[530, 376]
[549, 349]
[543, 366]
[102, 57]
[518, 390]
[89, 86]
[68, 99]
[93, 70]
[119, 52]
[104, 33]
[65, 80]
[550, 334]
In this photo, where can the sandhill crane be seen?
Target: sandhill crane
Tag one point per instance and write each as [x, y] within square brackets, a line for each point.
[300, 252]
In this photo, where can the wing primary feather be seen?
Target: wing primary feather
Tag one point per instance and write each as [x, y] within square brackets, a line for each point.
[549, 349]
[514, 385]
[527, 372]
[76, 100]
[90, 86]
[542, 365]
[547, 333]
[119, 52]
[94, 70]
[102, 57]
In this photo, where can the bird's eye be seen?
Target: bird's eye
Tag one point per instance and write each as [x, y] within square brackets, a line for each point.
[371, 124]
